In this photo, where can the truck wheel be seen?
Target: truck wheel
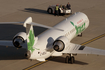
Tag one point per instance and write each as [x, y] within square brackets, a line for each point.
[59, 12]
[49, 10]
[71, 12]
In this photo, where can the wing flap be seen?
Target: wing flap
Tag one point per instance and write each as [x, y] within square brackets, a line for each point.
[79, 49]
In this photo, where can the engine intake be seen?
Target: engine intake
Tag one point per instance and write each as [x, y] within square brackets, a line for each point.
[19, 39]
[60, 44]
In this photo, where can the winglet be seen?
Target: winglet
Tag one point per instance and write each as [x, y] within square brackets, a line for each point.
[28, 20]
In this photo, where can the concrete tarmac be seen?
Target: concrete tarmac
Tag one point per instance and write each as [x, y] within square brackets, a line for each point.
[19, 10]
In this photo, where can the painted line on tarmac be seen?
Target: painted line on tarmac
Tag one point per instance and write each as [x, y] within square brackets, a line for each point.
[37, 64]
[94, 39]
[87, 42]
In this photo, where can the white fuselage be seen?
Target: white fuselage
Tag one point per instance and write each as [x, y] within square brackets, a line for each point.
[72, 26]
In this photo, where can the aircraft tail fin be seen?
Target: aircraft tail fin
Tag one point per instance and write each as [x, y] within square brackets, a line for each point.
[31, 40]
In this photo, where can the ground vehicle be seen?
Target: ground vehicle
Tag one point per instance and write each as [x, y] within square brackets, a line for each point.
[62, 9]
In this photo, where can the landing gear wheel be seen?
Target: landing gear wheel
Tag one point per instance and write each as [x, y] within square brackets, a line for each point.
[67, 59]
[72, 59]
[80, 35]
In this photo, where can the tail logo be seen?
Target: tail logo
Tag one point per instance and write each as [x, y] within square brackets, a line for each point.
[31, 41]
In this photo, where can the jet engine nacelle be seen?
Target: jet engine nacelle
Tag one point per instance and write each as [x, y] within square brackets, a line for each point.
[60, 44]
[19, 39]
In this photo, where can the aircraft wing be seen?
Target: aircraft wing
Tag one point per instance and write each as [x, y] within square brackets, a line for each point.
[10, 44]
[79, 49]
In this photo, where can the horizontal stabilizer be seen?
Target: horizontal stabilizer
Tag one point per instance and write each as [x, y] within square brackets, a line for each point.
[29, 21]
[44, 26]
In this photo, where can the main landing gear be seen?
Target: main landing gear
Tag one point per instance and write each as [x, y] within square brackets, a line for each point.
[80, 35]
[70, 59]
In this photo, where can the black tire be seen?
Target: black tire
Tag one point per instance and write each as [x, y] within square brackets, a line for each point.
[71, 12]
[59, 12]
[67, 59]
[72, 60]
[49, 11]
[80, 35]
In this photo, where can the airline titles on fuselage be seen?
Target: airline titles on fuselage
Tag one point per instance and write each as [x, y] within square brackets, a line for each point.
[79, 28]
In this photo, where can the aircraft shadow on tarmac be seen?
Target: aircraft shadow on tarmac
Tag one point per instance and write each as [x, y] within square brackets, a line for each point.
[11, 53]
[7, 33]
[62, 60]
[33, 10]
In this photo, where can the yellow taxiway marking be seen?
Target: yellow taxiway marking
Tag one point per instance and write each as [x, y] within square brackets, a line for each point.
[87, 42]
[37, 64]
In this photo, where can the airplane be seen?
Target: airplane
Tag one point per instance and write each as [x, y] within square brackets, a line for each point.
[55, 41]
